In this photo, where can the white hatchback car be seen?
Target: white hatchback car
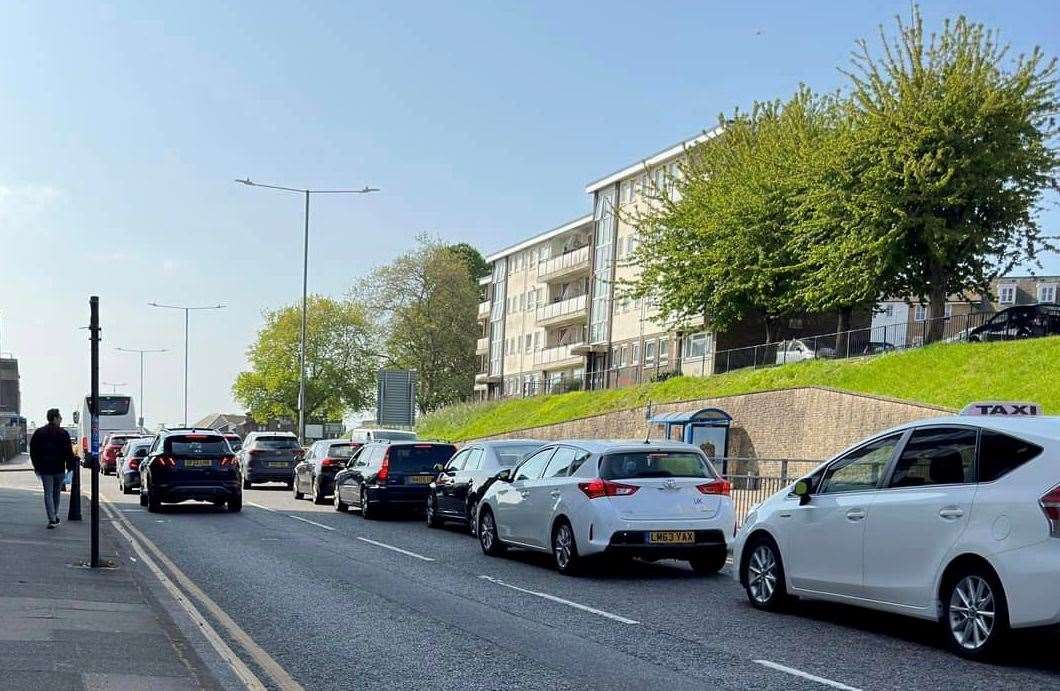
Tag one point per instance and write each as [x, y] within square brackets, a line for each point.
[653, 500]
[953, 519]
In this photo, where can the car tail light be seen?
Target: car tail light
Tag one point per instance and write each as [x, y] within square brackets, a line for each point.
[165, 462]
[330, 463]
[596, 488]
[715, 487]
[134, 464]
[227, 461]
[1050, 504]
[384, 469]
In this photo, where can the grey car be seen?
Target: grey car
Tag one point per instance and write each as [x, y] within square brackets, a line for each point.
[460, 483]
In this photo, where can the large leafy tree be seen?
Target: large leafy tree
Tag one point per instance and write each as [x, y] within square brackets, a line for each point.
[952, 146]
[341, 362]
[428, 303]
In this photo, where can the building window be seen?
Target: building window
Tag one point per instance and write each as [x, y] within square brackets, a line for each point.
[920, 313]
[528, 343]
[888, 311]
[634, 354]
[1046, 292]
[626, 192]
[664, 350]
[649, 352]
[695, 346]
[947, 311]
[1006, 294]
[537, 340]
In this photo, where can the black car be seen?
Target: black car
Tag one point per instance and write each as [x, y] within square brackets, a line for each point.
[1020, 321]
[269, 457]
[190, 464]
[132, 454]
[315, 475]
[877, 348]
[454, 494]
[389, 474]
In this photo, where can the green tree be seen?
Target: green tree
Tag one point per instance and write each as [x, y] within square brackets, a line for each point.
[341, 362]
[428, 302]
[476, 265]
[952, 147]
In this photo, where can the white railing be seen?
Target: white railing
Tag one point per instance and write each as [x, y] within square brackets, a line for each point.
[483, 344]
[561, 308]
[484, 308]
[555, 354]
[564, 261]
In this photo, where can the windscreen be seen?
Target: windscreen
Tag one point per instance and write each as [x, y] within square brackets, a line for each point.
[510, 455]
[196, 445]
[647, 464]
[275, 443]
[113, 405]
[418, 458]
[342, 450]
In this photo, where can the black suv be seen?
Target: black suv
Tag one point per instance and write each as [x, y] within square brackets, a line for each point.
[269, 457]
[1021, 321]
[385, 474]
[187, 464]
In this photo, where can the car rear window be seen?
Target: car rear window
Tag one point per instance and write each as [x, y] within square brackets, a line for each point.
[645, 464]
[1000, 454]
[342, 450]
[416, 458]
[511, 455]
[196, 445]
[275, 443]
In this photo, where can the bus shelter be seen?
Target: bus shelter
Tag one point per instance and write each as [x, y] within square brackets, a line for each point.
[707, 428]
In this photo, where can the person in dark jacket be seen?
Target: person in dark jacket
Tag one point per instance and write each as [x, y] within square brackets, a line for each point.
[51, 452]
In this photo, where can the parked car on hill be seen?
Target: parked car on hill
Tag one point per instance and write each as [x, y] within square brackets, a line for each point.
[460, 482]
[797, 350]
[575, 499]
[1019, 321]
[951, 519]
[389, 475]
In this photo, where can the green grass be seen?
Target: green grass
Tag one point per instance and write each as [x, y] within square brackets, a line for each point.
[947, 375]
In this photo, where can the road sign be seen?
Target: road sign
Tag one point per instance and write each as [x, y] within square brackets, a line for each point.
[396, 398]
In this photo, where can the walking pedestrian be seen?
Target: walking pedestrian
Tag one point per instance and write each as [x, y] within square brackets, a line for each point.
[51, 452]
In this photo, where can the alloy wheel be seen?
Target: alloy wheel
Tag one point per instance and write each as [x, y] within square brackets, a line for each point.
[972, 612]
[487, 532]
[563, 546]
[762, 574]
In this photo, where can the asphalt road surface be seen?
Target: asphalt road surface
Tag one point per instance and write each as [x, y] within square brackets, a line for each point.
[339, 602]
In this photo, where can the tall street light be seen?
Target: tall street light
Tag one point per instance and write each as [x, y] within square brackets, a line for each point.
[142, 352]
[187, 309]
[305, 283]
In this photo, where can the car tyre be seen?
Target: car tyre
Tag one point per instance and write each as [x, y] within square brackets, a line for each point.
[974, 613]
[565, 549]
[143, 495]
[708, 564]
[763, 575]
[488, 538]
[367, 511]
[340, 505]
[297, 494]
[318, 493]
[290, 485]
[235, 503]
[433, 520]
[154, 505]
[246, 482]
[472, 511]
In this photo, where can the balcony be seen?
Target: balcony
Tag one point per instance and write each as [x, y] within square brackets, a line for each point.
[484, 310]
[482, 345]
[557, 357]
[485, 378]
[565, 265]
[570, 310]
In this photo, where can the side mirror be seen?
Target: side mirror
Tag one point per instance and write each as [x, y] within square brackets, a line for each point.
[505, 475]
[802, 491]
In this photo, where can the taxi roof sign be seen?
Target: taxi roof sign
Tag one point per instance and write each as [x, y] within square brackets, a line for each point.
[1002, 408]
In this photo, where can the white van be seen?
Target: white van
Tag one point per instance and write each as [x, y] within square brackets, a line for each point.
[365, 434]
[116, 414]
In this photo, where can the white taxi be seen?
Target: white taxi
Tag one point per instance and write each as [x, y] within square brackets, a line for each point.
[954, 519]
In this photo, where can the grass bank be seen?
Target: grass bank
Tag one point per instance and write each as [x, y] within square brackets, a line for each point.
[948, 375]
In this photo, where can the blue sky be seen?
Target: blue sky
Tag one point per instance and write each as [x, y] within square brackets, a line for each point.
[123, 125]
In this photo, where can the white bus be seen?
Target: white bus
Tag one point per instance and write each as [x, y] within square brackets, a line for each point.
[116, 414]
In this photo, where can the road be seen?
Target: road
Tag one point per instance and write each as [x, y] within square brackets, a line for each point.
[340, 602]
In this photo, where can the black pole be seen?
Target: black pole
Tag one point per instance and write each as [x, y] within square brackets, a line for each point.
[93, 409]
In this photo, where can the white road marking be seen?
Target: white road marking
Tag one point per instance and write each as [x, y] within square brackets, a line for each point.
[395, 549]
[569, 603]
[250, 503]
[805, 675]
[306, 520]
[280, 677]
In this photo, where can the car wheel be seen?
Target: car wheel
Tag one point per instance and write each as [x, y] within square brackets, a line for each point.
[763, 575]
[367, 510]
[297, 494]
[290, 484]
[433, 521]
[246, 482]
[975, 613]
[143, 494]
[488, 538]
[339, 504]
[565, 549]
[235, 503]
[707, 564]
[154, 505]
[318, 493]
[472, 511]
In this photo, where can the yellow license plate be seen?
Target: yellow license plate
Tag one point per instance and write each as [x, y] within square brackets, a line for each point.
[672, 537]
[277, 465]
[421, 479]
[198, 463]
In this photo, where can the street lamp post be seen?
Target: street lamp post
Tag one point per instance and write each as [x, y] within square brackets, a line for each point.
[305, 284]
[187, 309]
[113, 387]
[142, 352]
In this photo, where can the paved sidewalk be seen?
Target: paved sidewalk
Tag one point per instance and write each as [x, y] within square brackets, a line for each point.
[65, 626]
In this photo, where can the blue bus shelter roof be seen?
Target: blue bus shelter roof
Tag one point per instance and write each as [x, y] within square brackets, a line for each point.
[716, 416]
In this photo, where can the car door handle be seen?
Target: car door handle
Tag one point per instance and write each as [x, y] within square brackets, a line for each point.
[950, 513]
[855, 514]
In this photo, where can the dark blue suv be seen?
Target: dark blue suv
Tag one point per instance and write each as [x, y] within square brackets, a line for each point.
[190, 464]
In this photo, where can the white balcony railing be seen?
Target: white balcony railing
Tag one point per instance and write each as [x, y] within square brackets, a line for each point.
[570, 260]
[484, 309]
[562, 308]
[482, 345]
[555, 354]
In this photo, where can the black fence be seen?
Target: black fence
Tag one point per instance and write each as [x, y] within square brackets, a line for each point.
[756, 479]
